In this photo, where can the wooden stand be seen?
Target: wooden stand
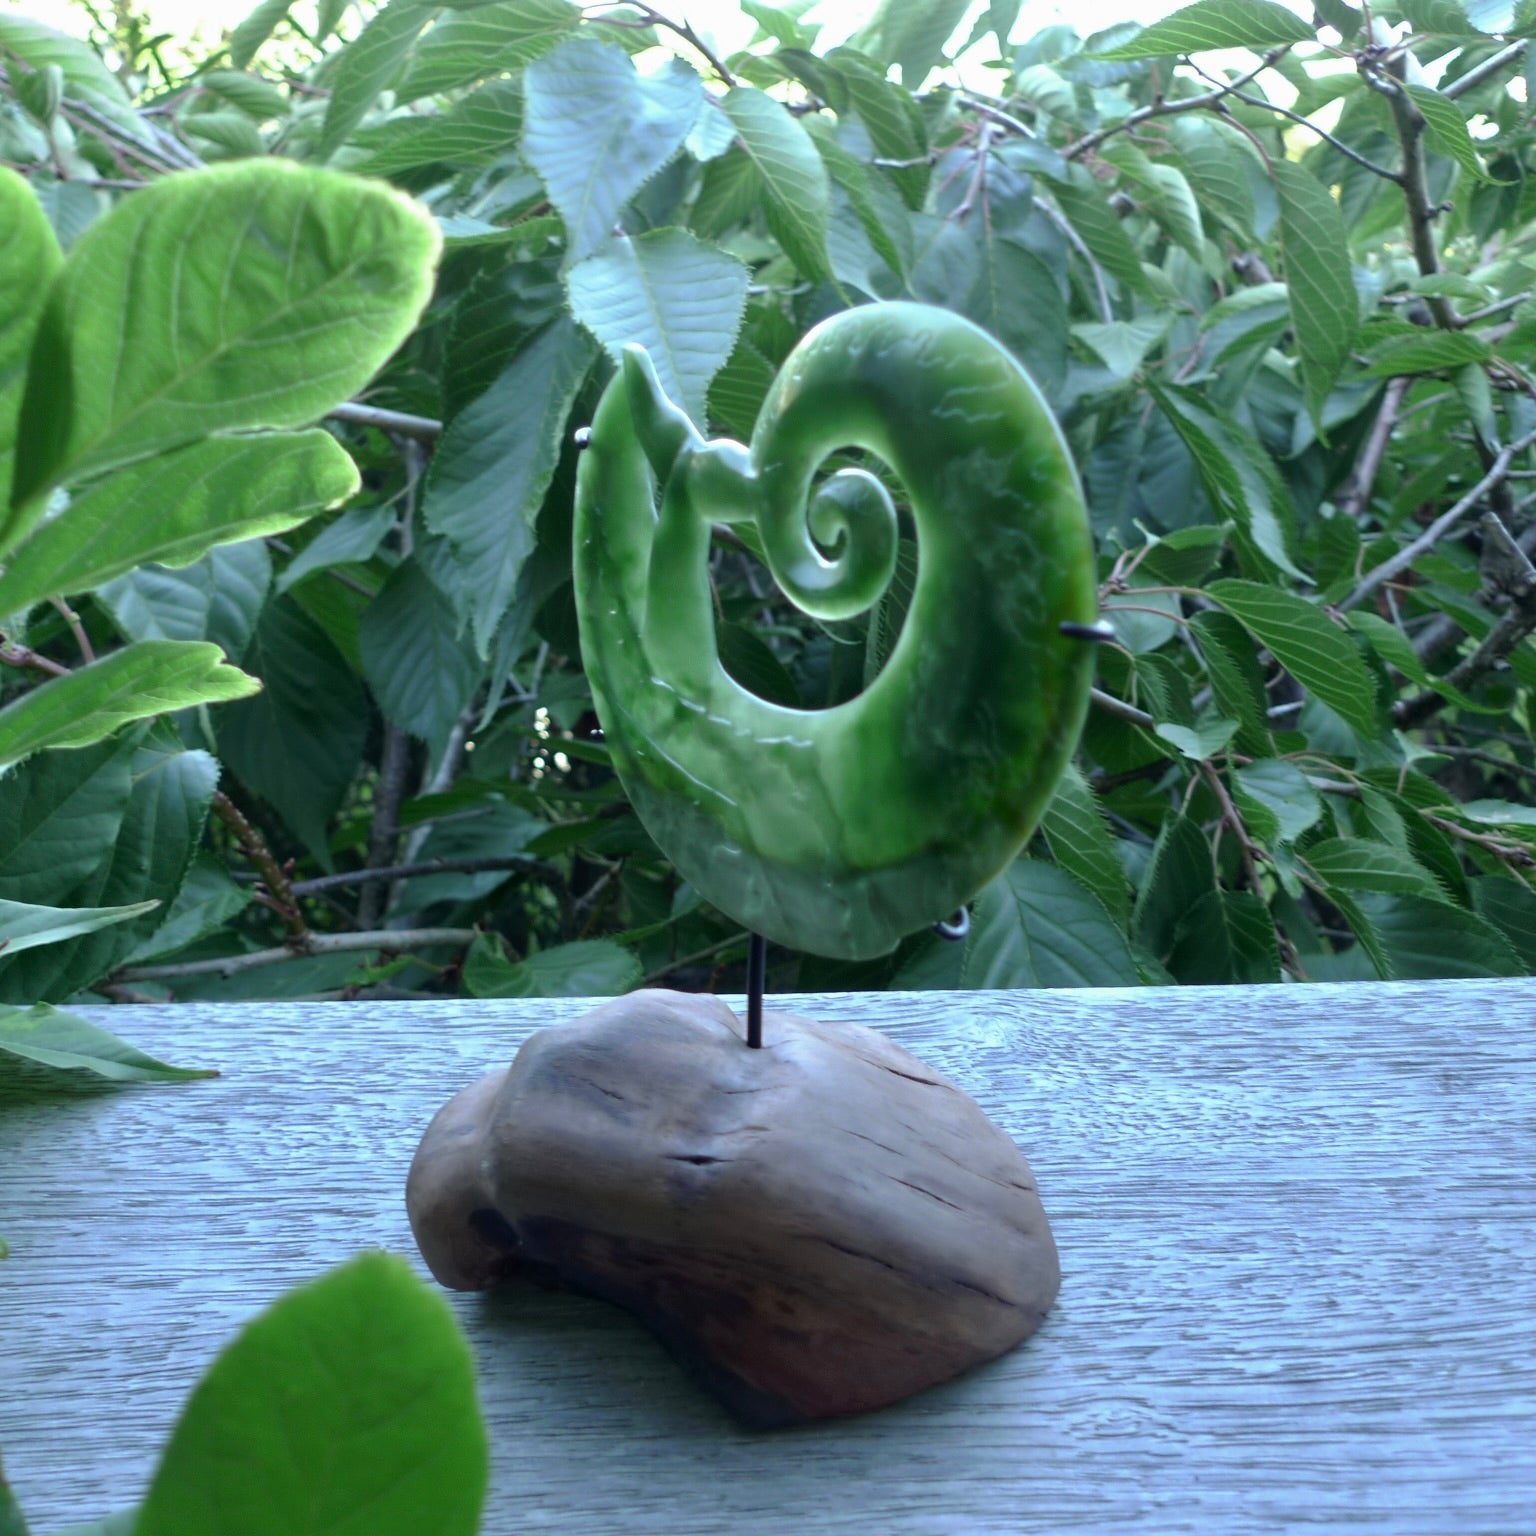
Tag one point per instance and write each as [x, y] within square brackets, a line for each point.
[823, 1226]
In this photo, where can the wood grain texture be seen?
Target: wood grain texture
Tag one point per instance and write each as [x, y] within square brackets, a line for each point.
[1297, 1229]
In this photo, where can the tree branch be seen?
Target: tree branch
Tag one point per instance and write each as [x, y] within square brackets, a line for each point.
[1511, 629]
[254, 846]
[1358, 497]
[388, 941]
[384, 835]
[1113, 706]
[422, 428]
[1163, 108]
[1442, 525]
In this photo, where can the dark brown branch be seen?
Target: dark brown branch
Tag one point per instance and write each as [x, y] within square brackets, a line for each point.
[384, 837]
[254, 846]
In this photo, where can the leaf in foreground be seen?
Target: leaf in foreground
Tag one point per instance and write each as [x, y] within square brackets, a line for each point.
[150, 677]
[53, 1038]
[348, 1406]
[25, 926]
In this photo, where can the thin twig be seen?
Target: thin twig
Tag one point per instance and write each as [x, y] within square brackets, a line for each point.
[1113, 706]
[1358, 497]
[388, 941]
[681, 28]
[698, 956]
[1475, 76]
[1075, 240]
[422, 428]
[274, 877]
[21, 656]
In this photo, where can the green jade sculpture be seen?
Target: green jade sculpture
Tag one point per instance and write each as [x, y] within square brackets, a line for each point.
[839, 831]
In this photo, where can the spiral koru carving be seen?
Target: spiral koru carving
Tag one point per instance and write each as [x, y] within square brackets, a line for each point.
[840, 830]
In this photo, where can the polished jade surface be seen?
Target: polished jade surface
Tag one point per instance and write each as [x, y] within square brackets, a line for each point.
[838, 831]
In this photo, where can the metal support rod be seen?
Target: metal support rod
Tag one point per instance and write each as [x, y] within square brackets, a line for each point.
[757, 975]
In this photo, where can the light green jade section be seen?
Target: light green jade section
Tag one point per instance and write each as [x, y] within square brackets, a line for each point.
[838, 831]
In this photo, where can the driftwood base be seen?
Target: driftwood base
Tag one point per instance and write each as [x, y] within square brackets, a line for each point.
[823, 1226]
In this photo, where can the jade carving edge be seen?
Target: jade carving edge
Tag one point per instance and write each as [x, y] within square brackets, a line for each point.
[839, 831]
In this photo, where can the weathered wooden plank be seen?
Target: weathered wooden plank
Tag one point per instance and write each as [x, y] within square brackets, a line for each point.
[1297, 1229]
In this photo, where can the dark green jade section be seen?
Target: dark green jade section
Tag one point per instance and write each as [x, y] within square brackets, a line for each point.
[839, 831]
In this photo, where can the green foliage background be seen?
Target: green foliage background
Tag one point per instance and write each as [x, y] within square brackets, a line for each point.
[1275, 278]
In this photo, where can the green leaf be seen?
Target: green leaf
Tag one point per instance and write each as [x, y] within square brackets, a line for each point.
[218, 598]
[301, 283]
[208, 899]
[484, 125]
[1200, 741]
[298, 743]
[29, 257]
[1446, 130]
[1236, 471]
[23, 926]
[1122, 345]
[1496, 813]
[752, 663]
[1361, 864]
[159, 833]
[54, 1038]
[1319, 277]
[1446, 17]
[1085, 202]
[1256, 24]
[1035, 926]
[891, 118]
[680, 299]
[87, 77]
[367, 65]
[1511, 908]
[11, 1522]
[174, 508]
[797, 196]
[587, 968]
[355, 536]
[347, 1406]
[1237, 680]
[1425, 352]
[499, 830]
[59, 814]
[495, 463]
[246, 40]
[596, 131]
[739, 389]
[483, 41]
[1410, 938]
[875, 200]
[422, 673]
[1319, 655]
[1226, 937]
[1215, 163]
[1179, 873]
[912, 37]
[1277, 792]
[1081, 843]
[149, 677]
[1396, 649]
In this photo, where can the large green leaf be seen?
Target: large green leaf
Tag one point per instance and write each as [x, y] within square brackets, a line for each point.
[1319, 655]
[586, 968]
[874, 199]
[486, 123]
[217, 598]
[1363, 864]
[11, 1522]
[495, 463]
[1085, 202]
[1319, 277]
[1083, 845]
[680, 299]
[348, 1406]
[423, 672]
[1215, 24]
[1277, 800]
[86, 75]
[208, 898]
[912, 37]
[1446, 130]
[23, 926]
[59, 817]
[891, 118]
[246, 39]
[1426, 352]
[1035, 926]
[1180, 873]
[1511, 907]
[54, 1038]
[1411, 938]
[367, 65]
[156, 840]
[149, 677]
[797, 196]
[300, 284]
[498, 830]
[485, 40]
[1226, 937]
[596, 131]
[174, 508]
[29, 257]
[299, 742]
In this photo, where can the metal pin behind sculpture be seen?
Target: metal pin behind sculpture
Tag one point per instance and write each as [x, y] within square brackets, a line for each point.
[757, 977]
[956, 927]
[1100, 631]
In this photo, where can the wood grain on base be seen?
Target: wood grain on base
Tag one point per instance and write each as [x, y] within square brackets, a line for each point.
[1297, 1230]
